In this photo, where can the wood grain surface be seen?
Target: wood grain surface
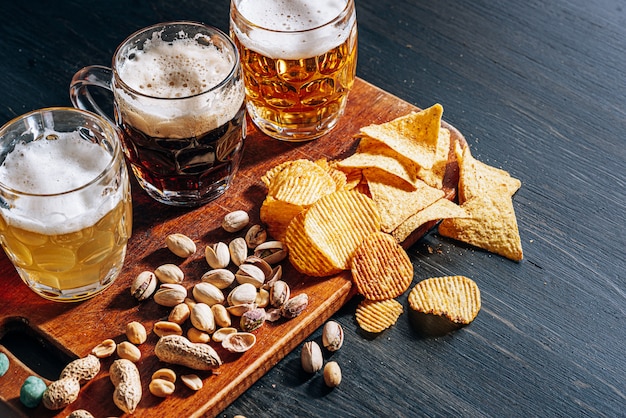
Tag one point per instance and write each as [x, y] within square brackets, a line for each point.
[75, 328]
[537, 88]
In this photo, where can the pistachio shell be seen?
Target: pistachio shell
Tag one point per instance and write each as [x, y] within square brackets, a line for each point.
[271, 251]
[249, 273]
[217, 255]
[239, 342]
[207, 293]
[220, 278]
[238, 250]
[242, 294]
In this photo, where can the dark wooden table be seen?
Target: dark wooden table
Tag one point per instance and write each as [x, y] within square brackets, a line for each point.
[537, 88]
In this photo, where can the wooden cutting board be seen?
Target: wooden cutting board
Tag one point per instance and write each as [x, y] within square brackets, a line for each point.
[69, 331]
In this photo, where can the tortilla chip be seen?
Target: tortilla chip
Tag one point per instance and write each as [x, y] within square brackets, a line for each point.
[395, 203]
[414, 136]
[434, 176]
[492, 226]
[373, 154]
[477, 178]
[441, 209]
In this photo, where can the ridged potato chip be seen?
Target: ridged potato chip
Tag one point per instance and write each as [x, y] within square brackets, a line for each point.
[300, 183]
[381, 269]
[441, 304]
[276, 214]
[337, 224]
[377, 315]
[304, 254]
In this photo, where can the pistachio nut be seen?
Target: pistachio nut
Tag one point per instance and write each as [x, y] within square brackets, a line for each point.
[332, 374]
[271, 251]
[143, 286]
[252, 319]
[332, 336]
[220, 278]
[249, 273]
[202, 318]
[273, 314]
[235, 221]
[169, 273]
[170, 294]
[238, 250]
[263, 265]
[311, 357]
[207, 293]
[279, 293]
[242, 294]
[256, 235]
[294, 306]
[180, 244]
[217, 255]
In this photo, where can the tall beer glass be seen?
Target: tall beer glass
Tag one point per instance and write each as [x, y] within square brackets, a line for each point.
[65, 205]
[299, 63]
[179, 102]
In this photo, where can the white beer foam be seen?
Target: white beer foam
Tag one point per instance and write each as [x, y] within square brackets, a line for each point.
[54, 167]
[292, 16]
[179, 69]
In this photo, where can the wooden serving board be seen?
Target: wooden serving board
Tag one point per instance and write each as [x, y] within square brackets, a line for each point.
[74, 329]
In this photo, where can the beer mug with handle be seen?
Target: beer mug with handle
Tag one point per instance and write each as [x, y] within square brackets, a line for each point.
[179, 103]
[298, 61]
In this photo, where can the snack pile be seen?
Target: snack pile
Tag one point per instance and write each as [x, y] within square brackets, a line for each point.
[353, 214]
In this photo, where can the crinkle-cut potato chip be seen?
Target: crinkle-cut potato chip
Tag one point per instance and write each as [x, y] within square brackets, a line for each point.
[276, 214]
[377, 315]
[492, 225]
[441, 304]
[303, 253]
[301, 183]
[396, 204]
[434, 176]
[338, 176]
[440, 209]
[477, 178]
[337, 223]
[414, 136]
[381, 269]
[373, 154]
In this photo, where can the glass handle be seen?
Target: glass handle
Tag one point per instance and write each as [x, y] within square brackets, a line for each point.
[81, 97]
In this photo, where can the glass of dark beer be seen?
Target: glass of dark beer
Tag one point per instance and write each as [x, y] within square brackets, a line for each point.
[179, 103]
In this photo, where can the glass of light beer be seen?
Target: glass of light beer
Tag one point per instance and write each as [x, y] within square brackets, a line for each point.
[65, 203]
[299, 63]
[179, 103]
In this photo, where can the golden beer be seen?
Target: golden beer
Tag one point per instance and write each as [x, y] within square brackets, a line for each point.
[65, 203]
[74, 262]
[297, 72]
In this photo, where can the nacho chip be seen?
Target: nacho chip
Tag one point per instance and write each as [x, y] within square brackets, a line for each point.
[396, 204]
[303, 253]
[337, 223]
[434, 175]
[373, 154]
[376, 316]
[441, 209]
[381, 269]
[477, 178]
[492, 226]
[414, 136]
